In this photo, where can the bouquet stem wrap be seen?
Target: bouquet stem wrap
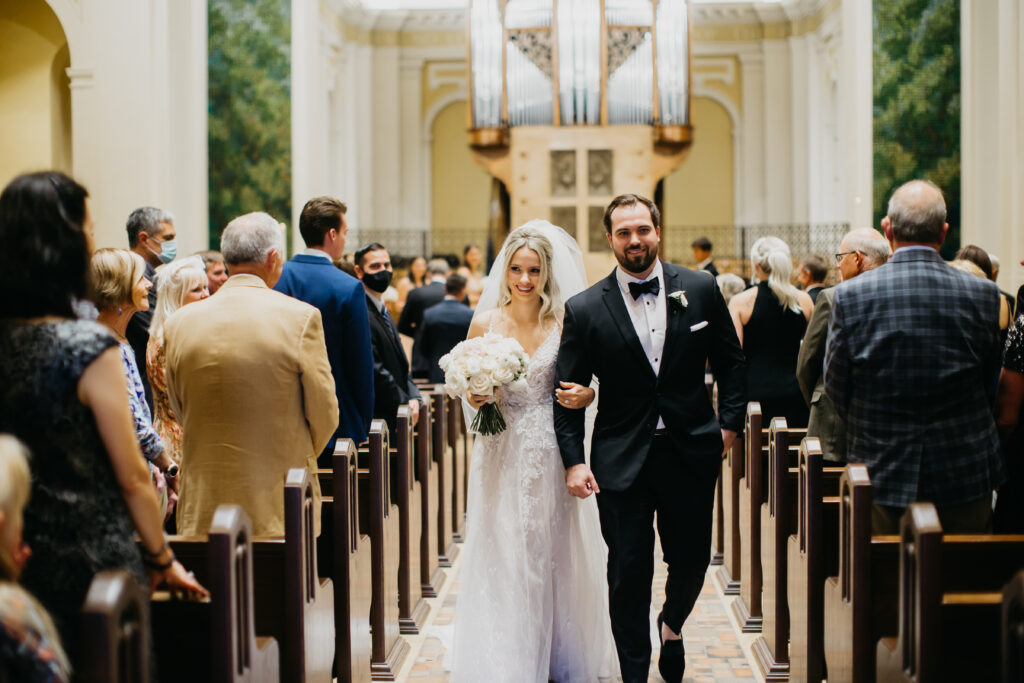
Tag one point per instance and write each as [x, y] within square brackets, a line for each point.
[489, 420]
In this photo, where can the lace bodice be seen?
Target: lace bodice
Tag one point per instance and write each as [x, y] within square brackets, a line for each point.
[540, 373]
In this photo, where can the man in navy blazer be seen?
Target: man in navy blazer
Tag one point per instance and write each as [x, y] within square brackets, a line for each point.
[912, 348]
[312, 277]
[444, 325]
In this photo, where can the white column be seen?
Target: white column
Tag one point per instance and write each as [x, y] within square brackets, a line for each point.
[855, 112]
[751, 204]
[308, 112]
[778, 136]
[992, 146]
[386, 95]
[802, 140]
[415, 211]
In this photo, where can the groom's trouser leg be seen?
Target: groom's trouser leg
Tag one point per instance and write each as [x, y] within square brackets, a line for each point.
[627, 524]
[685, 491]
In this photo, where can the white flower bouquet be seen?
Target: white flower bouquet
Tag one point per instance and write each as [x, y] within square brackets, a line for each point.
[479, 366]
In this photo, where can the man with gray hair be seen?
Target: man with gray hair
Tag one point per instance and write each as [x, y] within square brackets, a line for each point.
[861, 250]
[151, 236]
[249, 379]
[410, 323]
[911, 351]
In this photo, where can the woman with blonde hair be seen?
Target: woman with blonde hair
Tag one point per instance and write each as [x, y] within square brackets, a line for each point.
[533, 607]
[30, 648]
[770, 321]
[472, 263]
[178, 283]
[120, 289]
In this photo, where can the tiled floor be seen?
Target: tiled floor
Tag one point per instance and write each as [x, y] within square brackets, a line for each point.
[715, 648]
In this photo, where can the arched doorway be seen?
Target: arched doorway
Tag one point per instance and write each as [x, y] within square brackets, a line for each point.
[35, 100]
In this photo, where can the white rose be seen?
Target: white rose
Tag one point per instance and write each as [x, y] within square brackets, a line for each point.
[481, 385]
[459, 384]
[502, 376]
[444, 360]
[471, 365]
[488, 364]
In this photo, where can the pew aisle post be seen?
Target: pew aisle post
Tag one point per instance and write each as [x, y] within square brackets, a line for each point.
[1013, 629]
[219, 636]
[860, 603]
[431, 576]
[344, 555]
[389, 648]
[447, 551]
[748, 608]
[458, 443]
[728, 574]
[412, 608]
[778, 516]
[811, 555]
[115, 621]
[717, 529]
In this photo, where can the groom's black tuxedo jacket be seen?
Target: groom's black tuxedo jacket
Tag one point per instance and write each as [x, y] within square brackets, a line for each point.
[598, 339]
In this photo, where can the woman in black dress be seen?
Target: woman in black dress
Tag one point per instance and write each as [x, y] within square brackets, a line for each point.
[770, 320]
[62, 393]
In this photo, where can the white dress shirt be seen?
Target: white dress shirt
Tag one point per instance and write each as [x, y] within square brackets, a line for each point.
[649, 316]
[313, 251]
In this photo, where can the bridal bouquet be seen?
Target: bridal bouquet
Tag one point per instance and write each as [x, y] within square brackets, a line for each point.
[479, 366]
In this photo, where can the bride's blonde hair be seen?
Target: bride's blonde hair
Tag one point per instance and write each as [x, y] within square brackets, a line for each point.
[530, 238]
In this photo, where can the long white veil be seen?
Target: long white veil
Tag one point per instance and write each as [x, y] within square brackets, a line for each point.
[567, 270]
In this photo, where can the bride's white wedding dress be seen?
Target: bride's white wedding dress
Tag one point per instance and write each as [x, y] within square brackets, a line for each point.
[532, 600]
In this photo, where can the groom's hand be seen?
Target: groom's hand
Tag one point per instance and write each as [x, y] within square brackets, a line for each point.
[728, 436]
[580, 481]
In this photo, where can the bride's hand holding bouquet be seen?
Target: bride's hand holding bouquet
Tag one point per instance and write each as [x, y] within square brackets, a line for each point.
[478, 367]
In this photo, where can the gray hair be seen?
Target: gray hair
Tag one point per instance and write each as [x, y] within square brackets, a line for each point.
[871, 243]
[251, 238]
[438, 266]
[146, 219]
[917, 212]
[173, 281]
[730, 285]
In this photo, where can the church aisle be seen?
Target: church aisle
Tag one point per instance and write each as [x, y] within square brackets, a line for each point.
[715, 648]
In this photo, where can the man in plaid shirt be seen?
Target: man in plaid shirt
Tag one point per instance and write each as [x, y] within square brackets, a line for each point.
[912, 350]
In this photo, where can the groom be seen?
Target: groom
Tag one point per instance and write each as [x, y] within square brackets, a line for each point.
[645, 332]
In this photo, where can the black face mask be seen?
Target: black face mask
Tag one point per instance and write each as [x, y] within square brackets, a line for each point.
[378, 281]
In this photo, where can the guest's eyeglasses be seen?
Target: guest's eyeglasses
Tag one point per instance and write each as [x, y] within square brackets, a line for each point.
[840, 255]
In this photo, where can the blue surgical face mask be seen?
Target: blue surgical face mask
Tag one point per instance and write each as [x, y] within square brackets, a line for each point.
[168, 250]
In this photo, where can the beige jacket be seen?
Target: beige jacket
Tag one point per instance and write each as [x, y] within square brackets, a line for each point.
[248, 377]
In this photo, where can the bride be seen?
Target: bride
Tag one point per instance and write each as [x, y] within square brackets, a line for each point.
[533, 597]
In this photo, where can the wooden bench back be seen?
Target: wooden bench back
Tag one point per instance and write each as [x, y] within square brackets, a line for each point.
[114, 630]
[1013, 629]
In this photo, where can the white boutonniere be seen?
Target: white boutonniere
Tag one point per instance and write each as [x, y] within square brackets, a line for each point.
[679, 298]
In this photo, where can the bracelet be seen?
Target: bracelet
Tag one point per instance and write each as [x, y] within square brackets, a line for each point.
[152, 556]
[160, 566]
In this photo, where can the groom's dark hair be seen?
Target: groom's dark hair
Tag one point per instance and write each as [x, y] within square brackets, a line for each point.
[630, 200]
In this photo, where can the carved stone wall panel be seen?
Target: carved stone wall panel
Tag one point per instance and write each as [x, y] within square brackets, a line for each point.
[600, 171]
[565, 218]
[595, 229]
[563, 173]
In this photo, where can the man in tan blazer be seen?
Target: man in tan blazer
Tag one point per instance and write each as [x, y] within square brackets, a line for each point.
[249, 379]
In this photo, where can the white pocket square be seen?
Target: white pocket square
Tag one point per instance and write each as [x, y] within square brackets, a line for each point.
[699, 326]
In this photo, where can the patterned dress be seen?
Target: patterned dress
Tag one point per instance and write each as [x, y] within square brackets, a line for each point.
[28, 652]
[164, 420]
[77, 522]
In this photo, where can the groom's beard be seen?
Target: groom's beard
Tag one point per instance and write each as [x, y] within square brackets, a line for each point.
[638, 262]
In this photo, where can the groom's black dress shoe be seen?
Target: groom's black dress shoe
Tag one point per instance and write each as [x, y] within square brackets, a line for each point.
[672, 660]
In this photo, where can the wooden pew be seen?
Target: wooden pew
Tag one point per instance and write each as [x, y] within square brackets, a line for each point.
[950, 602]
[431, 577]
[412, 608]
[728, 575]
[215, 641]
[717, 528]
[1013, 629]
[343, 555]
[114, 628]
[812, 553]
[778, 520]
[861, 602]
[447, 551]
[379, 518]
[458, 442]
[748, 608]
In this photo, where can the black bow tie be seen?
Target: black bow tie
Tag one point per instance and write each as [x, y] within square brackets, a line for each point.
[638, 289]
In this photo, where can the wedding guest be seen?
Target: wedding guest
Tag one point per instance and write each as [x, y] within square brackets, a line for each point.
[1009, 513]
[472, 270]
[730, 284]
[812, 274]
[972, 263]
[178, 284]
[64, 397]
[416, 277]
[216, 271]
[30, 648]
[444, 325]
[770, 321]
[430, 294]
[701, 248]
[995, 278]
[120, 289]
